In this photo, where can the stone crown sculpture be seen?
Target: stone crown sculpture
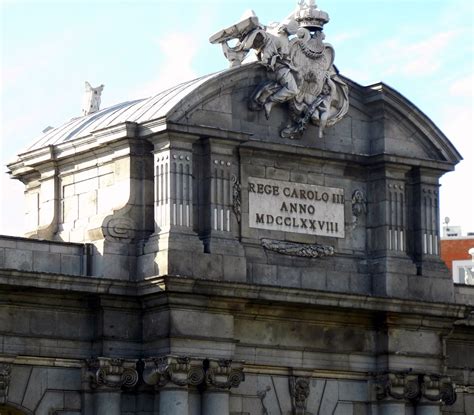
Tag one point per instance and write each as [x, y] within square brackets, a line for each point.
[299, 64]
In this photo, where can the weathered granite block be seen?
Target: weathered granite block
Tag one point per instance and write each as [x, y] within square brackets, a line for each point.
[18, 259]
[46, 262]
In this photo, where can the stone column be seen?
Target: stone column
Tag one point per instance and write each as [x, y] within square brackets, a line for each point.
[394, 391]
[221, 376]
[107, 377]
[218, 182]
[387, 227]
[171, 376]
[175, 208]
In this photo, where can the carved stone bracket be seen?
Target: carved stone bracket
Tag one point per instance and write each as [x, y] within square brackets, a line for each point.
[178, 370]
[297, 249]
[109, 373]
[415, 387]
[224, 374]
[5, 371]
[299, 391]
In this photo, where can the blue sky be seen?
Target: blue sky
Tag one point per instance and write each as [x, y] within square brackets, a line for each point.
[422, 48]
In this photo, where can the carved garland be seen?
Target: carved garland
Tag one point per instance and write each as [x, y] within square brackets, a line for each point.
[237, 198]
[299, 391]
[297, 249]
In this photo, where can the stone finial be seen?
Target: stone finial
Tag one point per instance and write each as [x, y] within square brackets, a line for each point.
[5, 371]
[299, 392]
[224, 374]
[109, 373]
[91, 100]
[178, 370]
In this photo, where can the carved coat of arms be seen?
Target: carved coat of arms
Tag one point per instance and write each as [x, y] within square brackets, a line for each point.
[299, 63]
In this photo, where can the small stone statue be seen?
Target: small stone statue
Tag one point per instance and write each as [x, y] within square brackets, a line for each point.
[91, 101]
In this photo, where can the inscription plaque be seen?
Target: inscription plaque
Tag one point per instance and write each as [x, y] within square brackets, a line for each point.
[296, 207]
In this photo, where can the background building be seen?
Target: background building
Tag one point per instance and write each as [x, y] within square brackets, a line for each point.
[455, 253]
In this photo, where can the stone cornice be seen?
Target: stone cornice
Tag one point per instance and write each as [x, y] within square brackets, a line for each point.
[28, 161]
[236, 291]
[359, 159]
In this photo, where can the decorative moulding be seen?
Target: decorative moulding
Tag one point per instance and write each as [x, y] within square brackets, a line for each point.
[297, 249]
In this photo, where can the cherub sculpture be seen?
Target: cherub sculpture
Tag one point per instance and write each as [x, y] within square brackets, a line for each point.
[299, 64]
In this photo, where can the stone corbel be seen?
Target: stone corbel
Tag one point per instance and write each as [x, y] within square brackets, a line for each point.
[299, 391]
[113, 374]
[178, 370]
[224, 374]
[5, 371]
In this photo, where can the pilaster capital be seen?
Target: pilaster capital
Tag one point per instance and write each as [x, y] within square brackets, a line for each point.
[175, 370]
[111, 374]
[398, 386]
[224, 374]
[413, 387]
[5, 371]
[436, 388]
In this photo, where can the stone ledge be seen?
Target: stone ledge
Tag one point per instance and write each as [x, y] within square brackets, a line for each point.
[237, 290]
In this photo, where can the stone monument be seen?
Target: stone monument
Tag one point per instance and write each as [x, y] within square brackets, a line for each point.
[263, 240]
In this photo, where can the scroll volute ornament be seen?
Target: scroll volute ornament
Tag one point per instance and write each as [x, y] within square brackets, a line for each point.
[224, 374]
[178, 370]
[112, 373]
[415, 387]
[398, 386]
[437, 388]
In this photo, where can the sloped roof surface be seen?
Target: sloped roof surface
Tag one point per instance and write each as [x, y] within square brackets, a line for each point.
[138, 111]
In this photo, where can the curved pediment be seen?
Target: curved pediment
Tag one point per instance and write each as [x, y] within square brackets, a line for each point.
[379, 119]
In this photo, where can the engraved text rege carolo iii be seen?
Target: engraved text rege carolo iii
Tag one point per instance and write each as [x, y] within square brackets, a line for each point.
[295, 207]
